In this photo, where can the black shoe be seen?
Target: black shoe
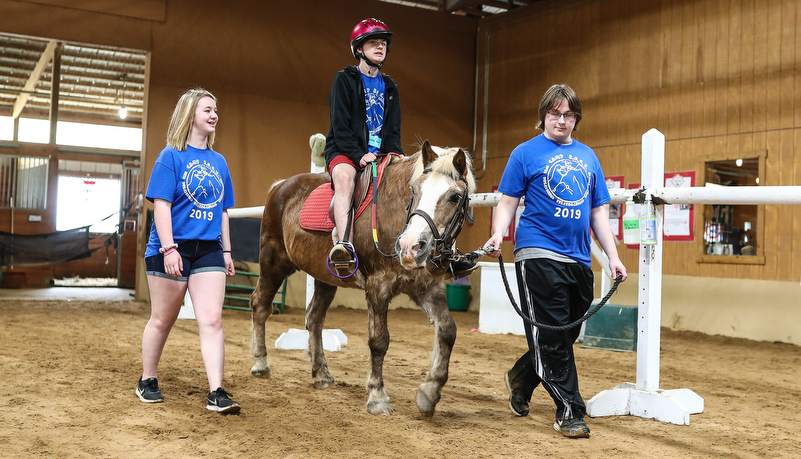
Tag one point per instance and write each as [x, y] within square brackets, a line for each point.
[517, 401]
[572, 428]
[220, 401]
[148, 391]
[463, 268]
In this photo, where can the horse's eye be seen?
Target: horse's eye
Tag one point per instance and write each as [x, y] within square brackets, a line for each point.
[455, 198]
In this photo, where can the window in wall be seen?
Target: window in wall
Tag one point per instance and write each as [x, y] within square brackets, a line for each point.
[6, 128]
[98, 136]
[88, 201]
[732, 232]
[23, 182]
[73, 134]
[33, 130]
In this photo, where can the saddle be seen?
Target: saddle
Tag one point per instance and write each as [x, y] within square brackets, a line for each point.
[317, 212]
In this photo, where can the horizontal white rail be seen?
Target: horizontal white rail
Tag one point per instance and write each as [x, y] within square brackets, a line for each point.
[246, 212]
[671, 195]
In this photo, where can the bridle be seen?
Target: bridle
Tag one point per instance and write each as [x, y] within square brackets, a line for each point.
[444, 244]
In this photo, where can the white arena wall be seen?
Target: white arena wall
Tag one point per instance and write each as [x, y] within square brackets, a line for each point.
[751, 309]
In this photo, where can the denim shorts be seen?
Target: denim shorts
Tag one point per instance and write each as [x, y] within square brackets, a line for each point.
[198, 257]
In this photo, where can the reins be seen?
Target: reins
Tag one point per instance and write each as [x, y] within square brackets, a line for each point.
[484, 250]
[373, 212]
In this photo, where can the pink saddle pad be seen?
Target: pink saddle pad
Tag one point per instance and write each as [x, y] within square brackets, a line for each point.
[314, 213]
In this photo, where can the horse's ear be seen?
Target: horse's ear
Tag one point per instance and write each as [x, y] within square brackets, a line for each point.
[428, 154]
[460, 163]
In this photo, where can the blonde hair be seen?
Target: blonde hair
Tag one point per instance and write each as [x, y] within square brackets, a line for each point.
[183, 116]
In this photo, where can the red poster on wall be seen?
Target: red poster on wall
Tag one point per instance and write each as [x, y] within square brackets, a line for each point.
[615, 210]
[509, 233]
[637, 210]
[679, 219]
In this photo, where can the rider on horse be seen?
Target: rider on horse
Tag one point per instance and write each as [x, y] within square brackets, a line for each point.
[365, 122]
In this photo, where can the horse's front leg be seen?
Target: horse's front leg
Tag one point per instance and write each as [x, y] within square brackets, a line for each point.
[315, 321]
[434, 303]
[378, 294]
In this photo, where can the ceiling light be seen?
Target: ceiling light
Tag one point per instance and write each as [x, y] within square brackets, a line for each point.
[123, 113]
[738, 162]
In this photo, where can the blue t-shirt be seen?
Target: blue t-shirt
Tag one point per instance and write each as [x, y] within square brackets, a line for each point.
[561, 185]
[198, 184]
[374, 90]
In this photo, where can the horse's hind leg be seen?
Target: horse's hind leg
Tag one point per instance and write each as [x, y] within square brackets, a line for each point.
[272, 272]
[315, 320]
[434, 303]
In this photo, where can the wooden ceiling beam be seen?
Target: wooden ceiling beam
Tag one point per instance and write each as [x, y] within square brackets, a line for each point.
[37, 72]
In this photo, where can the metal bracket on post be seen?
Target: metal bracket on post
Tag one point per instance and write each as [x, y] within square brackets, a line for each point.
[645, 398]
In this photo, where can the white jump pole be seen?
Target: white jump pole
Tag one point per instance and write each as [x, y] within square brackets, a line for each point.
[645, 398]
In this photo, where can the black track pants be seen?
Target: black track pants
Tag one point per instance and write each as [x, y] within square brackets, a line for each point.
[552, 293]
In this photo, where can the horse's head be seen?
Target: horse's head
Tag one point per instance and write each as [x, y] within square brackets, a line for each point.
[441, 185]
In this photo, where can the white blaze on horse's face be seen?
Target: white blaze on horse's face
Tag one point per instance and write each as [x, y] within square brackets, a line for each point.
[417, 242]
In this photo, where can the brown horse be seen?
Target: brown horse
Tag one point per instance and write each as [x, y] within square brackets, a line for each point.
[433, 185]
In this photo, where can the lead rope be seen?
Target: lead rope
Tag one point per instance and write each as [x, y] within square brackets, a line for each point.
[485, 250]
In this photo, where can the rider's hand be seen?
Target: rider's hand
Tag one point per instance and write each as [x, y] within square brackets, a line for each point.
[368, 158]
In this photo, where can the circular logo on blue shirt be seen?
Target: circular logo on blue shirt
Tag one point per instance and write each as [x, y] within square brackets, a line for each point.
[203, 185]
[567, 180]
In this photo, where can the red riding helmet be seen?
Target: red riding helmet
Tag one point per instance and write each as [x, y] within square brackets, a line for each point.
[368, 28]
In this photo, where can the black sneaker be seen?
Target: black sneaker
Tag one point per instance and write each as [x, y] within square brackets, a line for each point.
[517, 401]
[220, 401]
[148, 391]
[572, 428]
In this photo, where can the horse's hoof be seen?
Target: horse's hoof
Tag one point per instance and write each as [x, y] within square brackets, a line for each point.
[323, 383]
[427, 398]
[379, 408]
[261, 370]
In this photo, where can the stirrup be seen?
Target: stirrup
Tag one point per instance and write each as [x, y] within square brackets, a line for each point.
[343, 253]
[342, 260]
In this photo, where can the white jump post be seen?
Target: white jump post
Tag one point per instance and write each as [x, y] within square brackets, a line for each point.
[645, 398]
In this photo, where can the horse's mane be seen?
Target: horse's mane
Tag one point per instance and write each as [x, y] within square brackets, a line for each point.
[275, 184]
[444, 165]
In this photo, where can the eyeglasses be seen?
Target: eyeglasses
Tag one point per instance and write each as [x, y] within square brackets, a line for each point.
[569, 116]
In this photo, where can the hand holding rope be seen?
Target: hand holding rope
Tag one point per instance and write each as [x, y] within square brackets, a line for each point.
[482, 251]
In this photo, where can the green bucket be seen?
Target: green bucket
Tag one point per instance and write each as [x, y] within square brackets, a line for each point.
[457, 296]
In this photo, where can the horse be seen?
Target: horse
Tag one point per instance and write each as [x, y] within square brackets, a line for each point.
[433, 185]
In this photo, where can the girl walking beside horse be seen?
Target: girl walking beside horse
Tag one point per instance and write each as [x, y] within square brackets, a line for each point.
[189, 246]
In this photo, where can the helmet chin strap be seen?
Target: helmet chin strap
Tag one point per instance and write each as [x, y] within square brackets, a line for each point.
[369, 62]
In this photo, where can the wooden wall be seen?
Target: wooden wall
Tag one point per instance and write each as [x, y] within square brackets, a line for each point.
[271, 65]
[718, 78]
